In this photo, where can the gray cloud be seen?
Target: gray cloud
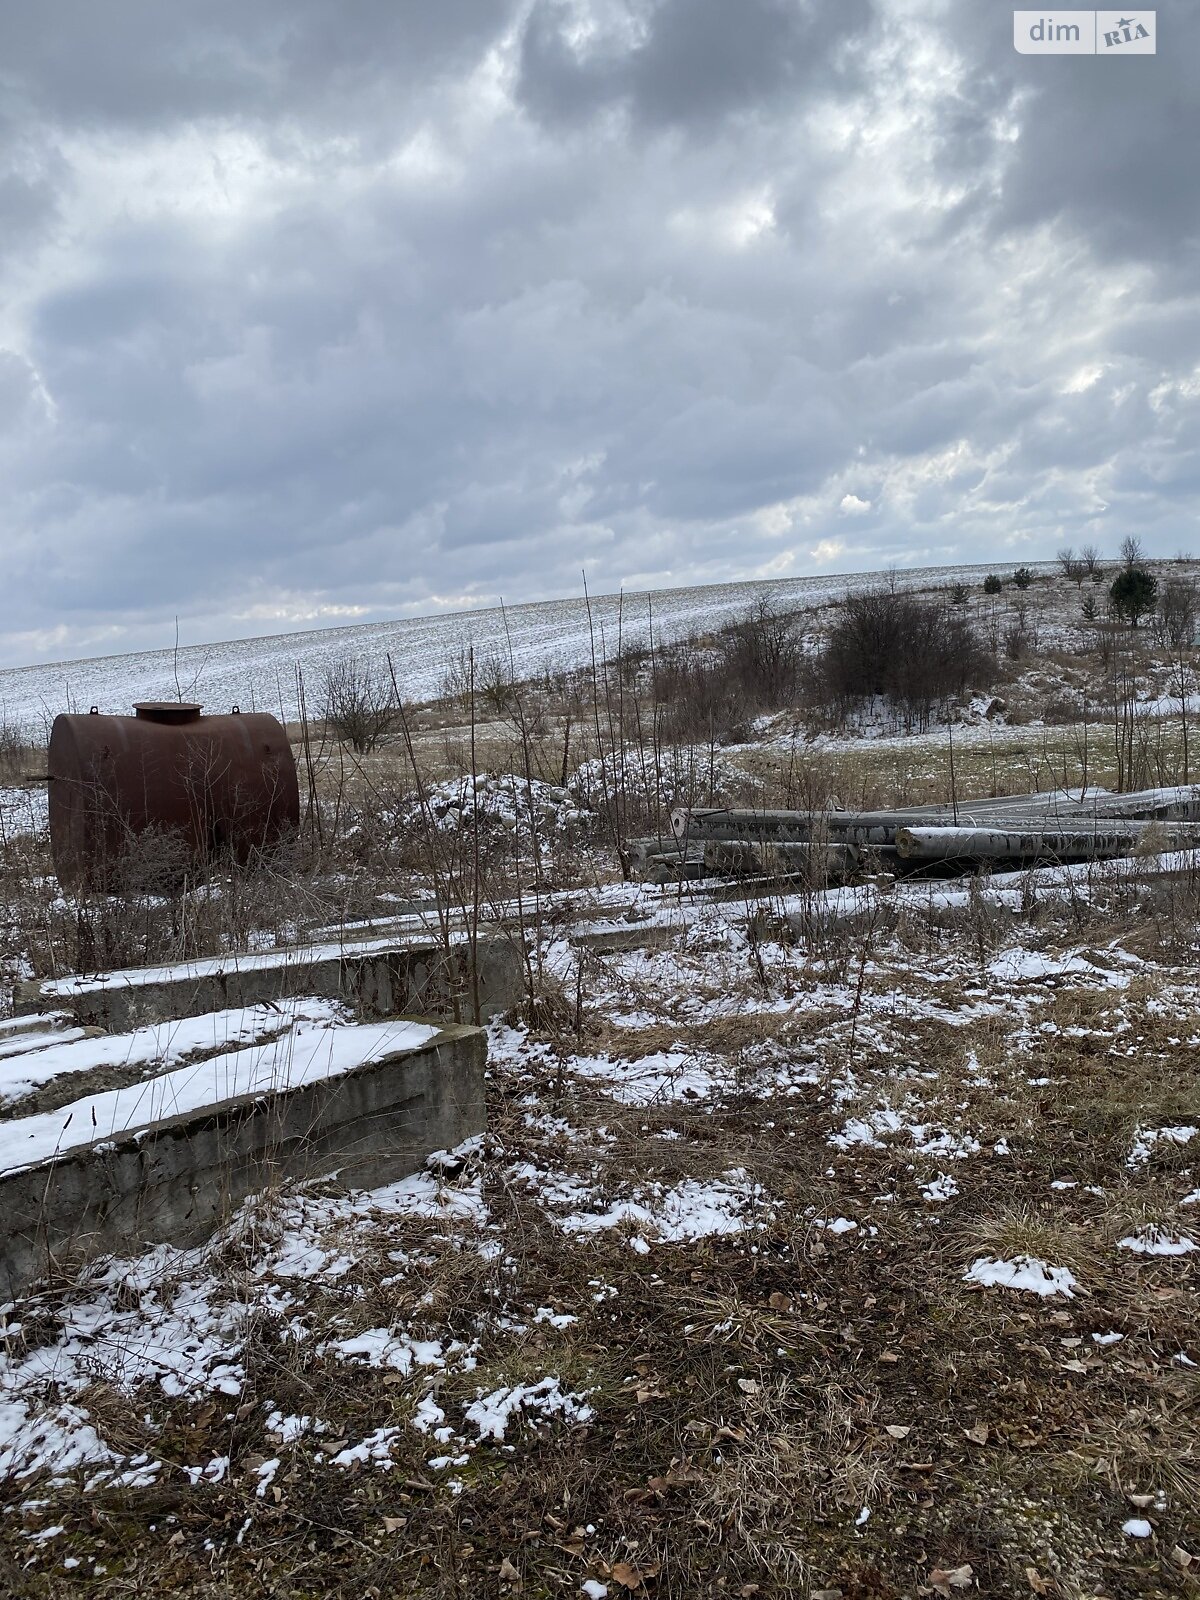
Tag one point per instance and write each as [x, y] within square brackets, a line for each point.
[315, 313]
[684, 62]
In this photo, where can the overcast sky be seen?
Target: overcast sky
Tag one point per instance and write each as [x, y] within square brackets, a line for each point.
[314, 311]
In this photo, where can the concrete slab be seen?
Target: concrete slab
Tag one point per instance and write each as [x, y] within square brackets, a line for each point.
[175, 1177]
[389, 975]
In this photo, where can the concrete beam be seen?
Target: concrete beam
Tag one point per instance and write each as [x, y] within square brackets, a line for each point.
[413, 974]
[176, 1179]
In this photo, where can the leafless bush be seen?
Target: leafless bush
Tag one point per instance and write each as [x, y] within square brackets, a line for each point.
[13, 753]
[495, 686]
[358, 704]
[753, 667]
[1177, 612]
[1020, 634]
[764, 653]
[895, 647]
[1073, 566]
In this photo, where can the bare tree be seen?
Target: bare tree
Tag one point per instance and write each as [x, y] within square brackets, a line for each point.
[1090, 557]
[1132, 553]
[358, 704]
[1071, 564]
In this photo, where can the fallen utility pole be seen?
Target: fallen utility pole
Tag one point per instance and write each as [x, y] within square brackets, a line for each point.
[818, 861]
[1032, 844]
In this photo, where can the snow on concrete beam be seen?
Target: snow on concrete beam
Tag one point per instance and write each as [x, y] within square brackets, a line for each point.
[411, 973]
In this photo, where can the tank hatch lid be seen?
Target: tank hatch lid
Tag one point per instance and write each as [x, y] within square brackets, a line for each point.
[167, 710]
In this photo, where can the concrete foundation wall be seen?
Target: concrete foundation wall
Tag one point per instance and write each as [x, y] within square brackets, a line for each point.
[178, 1179]
[411, 977]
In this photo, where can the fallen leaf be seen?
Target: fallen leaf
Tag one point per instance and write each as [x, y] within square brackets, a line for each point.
[780, 1302]
[1181, 1558]
[626, 1575]
[738, 1435]
[679, 1479]
[826, 1594]
[748, 1385]
[1141, 1501]
[1036, 1582]
[978, 1434]
[392, 1524]
[508, 1572]
[898, 1432]
[947, 1580]
[890, 1356]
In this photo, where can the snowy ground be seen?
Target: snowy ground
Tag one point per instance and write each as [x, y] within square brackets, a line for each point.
[878, 1259]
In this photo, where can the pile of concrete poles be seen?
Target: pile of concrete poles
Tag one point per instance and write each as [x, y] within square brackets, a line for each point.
[1006, 830]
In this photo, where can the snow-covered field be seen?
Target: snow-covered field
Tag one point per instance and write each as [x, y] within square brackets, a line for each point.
[260, 674]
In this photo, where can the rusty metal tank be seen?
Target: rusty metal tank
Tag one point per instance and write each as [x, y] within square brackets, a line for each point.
[210, 787]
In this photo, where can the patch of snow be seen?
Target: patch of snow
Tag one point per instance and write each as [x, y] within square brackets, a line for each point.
[689, 1211]
[1034, 966]
[491, 1413]
[1025, 1273]
[943, 1187]
[374, 1450]
[1145, 1139]
[1155, 1241]
[667, 1075]
[35, 1059]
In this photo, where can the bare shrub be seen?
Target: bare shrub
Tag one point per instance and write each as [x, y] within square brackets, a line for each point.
[495, 686]
[1177, 612]
[897, 648]
[358, 704]
[763, 654]
[1073, 566]
[750, 668]
[1020, 634]
[13, 753]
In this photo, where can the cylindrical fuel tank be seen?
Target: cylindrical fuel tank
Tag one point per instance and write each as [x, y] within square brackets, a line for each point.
[210, 786]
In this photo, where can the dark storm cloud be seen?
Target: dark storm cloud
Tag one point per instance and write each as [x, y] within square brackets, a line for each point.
[1106, 146]
[307, 308]
[685, 61]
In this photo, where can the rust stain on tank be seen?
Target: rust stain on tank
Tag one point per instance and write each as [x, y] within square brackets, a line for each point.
[210, 787]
